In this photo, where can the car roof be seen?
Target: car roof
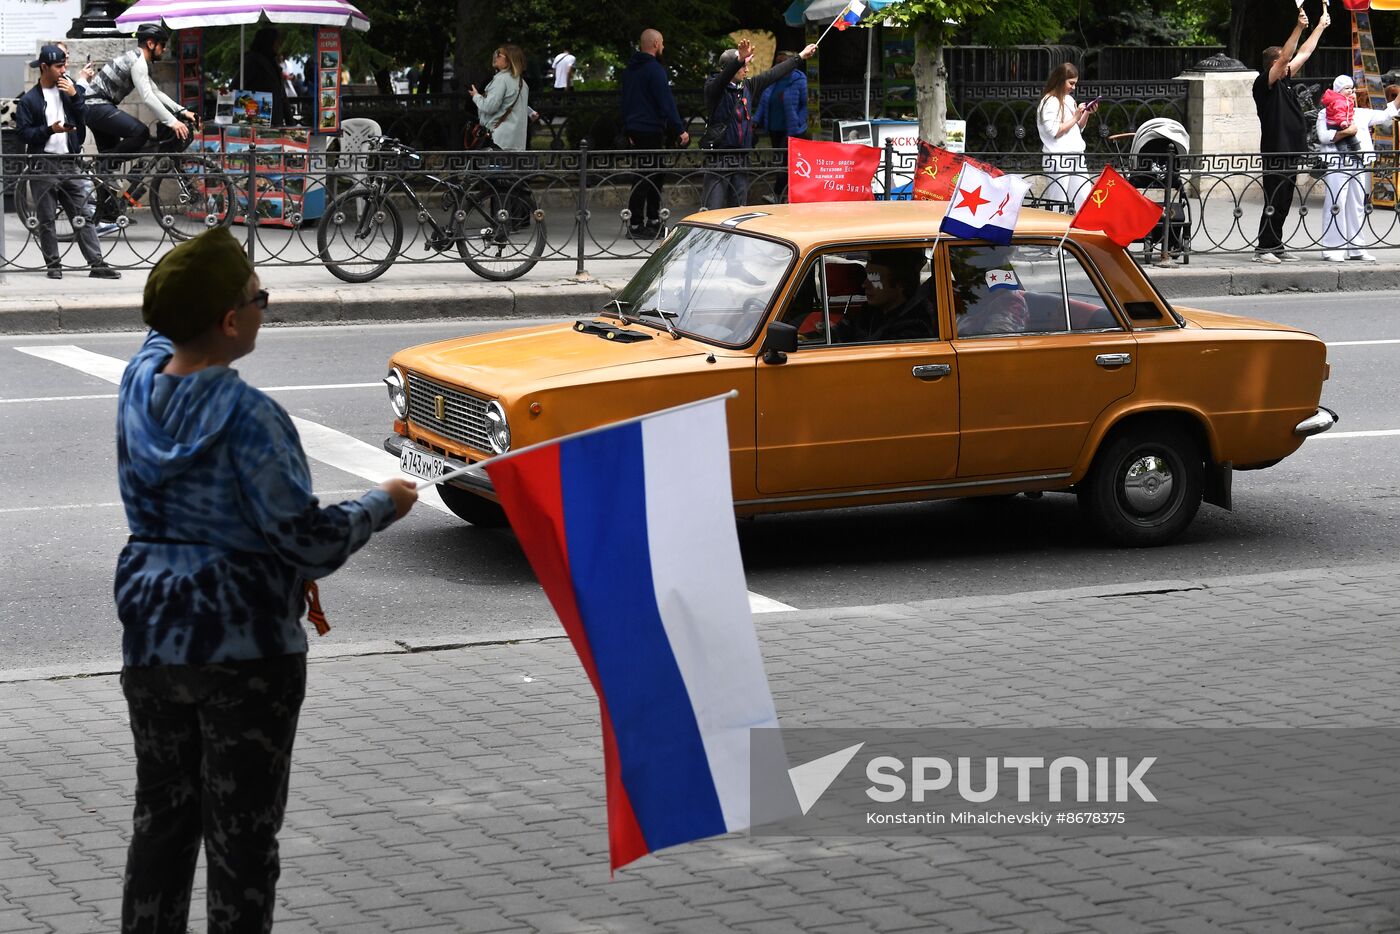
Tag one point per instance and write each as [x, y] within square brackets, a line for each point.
[811, 224]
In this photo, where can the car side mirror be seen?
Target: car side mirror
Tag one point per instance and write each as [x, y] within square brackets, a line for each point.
[779, 341]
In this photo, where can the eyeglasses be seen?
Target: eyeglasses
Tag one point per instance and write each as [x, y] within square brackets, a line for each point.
[260, 300]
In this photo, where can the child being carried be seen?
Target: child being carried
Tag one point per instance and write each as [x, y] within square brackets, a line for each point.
[1340, 103]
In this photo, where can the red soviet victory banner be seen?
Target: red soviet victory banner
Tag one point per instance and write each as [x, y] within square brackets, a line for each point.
[936, 173]
[820, 171]
[1118, 209]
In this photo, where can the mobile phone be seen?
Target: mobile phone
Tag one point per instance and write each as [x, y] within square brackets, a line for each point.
[1095, 102]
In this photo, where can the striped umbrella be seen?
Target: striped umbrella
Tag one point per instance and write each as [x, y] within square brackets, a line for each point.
[186, 14]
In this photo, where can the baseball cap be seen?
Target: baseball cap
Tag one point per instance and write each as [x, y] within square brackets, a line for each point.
[49, 55]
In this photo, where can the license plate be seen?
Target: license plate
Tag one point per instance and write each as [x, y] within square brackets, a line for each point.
[427, 466]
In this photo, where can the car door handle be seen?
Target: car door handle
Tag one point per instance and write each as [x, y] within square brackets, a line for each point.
[1113, 359]
[932, 371]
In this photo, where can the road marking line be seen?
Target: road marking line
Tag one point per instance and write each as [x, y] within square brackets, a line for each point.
[1362, 343]
[112, 395]
[109, 395]
[326, 445]
[1333, 435]
[84, 361]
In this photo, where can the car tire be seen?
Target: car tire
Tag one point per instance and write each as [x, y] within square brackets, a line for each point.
[1145, 487]
[471, 508]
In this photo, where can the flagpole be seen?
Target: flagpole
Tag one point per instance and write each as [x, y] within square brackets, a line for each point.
[480, 467]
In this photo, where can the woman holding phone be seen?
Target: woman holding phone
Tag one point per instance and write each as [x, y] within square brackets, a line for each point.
[1061, 121]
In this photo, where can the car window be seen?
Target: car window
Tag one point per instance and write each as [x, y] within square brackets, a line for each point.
[866, 297]
[715, 285]
[1023, 289]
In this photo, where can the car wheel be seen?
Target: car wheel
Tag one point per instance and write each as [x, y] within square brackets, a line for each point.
[472, 508]
[1145, 487]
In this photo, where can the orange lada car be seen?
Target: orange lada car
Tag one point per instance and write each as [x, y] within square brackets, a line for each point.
[877, 361]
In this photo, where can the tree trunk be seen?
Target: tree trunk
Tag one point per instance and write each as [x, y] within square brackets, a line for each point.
[931, 85]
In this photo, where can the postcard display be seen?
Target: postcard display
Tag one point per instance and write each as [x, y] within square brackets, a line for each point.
[327, 90]
[284, 199]
[191, 71]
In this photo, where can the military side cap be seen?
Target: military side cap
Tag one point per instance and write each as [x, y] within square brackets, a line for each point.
[193, 285]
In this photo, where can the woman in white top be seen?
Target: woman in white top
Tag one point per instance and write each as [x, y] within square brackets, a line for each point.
[1061, 122]
[1348, 182]
[505, 107]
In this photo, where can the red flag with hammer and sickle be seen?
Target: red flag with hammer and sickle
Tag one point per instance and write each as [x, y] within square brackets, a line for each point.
[936, 173]
[1118, 209]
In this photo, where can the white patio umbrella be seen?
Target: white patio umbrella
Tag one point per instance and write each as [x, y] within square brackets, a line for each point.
[187, 14]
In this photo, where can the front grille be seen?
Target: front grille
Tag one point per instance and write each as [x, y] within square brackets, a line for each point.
[464, 415]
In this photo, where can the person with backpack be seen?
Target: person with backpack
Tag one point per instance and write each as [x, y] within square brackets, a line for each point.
[731, 97]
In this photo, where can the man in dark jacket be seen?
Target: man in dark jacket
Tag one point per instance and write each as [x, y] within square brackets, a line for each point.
[50, 122]
[649, 121]
[730, 99]
[262, 71]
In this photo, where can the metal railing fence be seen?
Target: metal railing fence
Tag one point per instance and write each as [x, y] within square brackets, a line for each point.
[499, 211]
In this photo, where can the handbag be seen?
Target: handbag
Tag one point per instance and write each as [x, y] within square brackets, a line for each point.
[477, 135]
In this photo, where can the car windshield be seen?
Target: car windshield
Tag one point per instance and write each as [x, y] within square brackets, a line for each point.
[714, 285]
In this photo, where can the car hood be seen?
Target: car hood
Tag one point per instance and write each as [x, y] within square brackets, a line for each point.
[508, 358]
[1219, 320]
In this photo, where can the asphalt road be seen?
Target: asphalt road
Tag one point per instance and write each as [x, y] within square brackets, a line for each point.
[435, 579]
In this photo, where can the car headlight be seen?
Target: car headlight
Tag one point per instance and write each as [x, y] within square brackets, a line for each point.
[497, 428]
[398, 393]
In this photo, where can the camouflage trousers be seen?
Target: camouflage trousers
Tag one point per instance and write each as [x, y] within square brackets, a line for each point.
[213, 757]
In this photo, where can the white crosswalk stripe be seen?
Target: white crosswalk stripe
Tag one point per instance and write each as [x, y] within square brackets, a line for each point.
[333, 448]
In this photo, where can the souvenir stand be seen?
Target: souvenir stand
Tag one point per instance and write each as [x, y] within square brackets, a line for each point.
[272, 160]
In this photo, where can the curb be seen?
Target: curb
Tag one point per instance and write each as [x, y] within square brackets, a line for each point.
[1187, 282]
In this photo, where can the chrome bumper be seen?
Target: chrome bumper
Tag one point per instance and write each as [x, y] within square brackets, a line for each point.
[1323, 419]
[476, 482]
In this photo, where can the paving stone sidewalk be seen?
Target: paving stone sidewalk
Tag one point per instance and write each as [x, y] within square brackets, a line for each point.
[460, 790]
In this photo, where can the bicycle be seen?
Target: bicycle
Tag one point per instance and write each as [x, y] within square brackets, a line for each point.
[493, 223]
[188, 194]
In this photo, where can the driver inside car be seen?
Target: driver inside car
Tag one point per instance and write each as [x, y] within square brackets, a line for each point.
[896, 308]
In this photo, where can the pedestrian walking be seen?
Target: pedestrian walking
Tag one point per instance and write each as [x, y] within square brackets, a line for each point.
[1060, 121]
[730, 98]
[1348, 180]
[49, 119]
[650, 120]
[1283, 133]
[563, 68]
[782, 111]
[504, 108]
[210, 589]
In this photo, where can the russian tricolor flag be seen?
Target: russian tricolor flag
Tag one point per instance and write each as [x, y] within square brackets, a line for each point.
[850, 16]
[630, 530]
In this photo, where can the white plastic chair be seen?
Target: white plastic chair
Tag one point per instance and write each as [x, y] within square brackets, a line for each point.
[355, 134]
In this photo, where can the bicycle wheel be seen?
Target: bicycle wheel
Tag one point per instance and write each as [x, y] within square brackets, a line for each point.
[358, 237]
[500, 231]
[190, 197]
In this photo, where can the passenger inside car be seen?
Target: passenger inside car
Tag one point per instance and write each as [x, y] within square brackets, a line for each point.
[896, 307]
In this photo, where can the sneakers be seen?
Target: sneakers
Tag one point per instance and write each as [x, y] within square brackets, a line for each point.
[104, 272]
[1333, 256]
[107, 229]
[1270, 259]
[1363, 256]
[645, 232]
[1288, 257]
[55, 272]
